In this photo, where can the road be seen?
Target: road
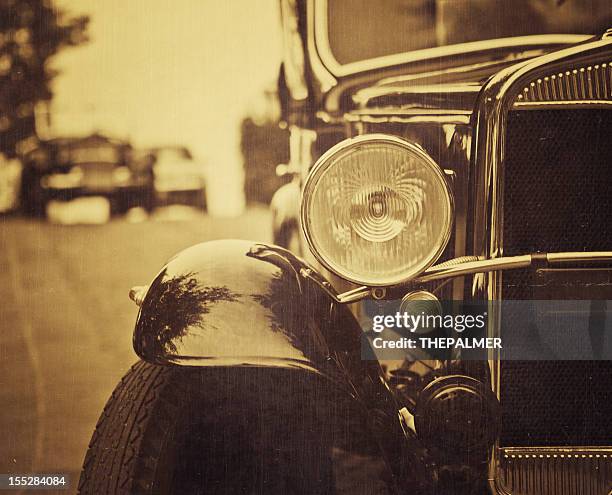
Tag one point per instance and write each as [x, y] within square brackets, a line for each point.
[66, 325]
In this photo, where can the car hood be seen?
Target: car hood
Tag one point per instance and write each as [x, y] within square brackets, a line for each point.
[445, 83]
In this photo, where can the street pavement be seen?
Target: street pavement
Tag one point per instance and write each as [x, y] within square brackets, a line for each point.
[66, 324]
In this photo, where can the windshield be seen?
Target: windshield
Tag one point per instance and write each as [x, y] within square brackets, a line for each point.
[363, 29]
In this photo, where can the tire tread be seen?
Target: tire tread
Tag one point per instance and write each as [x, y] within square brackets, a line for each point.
[117, 453]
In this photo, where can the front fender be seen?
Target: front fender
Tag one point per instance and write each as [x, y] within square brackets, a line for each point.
[241, 303]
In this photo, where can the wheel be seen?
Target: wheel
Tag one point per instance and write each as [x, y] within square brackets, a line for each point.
[172, 430]
[240, 430]
[134, 434]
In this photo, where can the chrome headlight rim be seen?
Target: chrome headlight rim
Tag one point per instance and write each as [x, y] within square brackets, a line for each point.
[326, 160]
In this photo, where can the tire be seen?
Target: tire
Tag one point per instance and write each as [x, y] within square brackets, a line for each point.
[181, 430]
[176, 430]
[134, 434]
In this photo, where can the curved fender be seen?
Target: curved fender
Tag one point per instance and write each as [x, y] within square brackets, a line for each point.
[230, 302]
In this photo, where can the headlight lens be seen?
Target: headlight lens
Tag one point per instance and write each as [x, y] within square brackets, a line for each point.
[376, 210]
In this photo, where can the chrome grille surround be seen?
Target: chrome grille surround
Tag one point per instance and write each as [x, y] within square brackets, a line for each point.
[530, 470]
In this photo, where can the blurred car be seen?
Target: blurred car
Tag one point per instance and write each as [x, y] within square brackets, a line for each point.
[177, 177]
[64, 169]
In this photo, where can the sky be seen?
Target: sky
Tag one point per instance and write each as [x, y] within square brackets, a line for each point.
[181, 72]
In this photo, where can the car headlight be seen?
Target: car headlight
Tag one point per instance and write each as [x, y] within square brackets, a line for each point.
[376, 210]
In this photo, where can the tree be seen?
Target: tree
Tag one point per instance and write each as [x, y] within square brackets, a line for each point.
[31, 32]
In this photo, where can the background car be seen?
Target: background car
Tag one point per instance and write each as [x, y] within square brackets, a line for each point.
[64, 169]
[177, 177]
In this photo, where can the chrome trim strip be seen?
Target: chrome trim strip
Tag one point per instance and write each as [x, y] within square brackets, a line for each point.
[395, 116]
[573, 451]
[418, 112]
[561, 105]
[578, 257]
[324, 77]
[329, 61]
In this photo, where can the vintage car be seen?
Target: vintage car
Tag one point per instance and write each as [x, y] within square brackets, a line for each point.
[66, 168]
[178, 178]
[442, 151]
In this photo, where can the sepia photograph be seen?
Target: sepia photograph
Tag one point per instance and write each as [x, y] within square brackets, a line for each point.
[306, 247]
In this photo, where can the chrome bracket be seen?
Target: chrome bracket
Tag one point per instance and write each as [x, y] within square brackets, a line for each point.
[467, 266]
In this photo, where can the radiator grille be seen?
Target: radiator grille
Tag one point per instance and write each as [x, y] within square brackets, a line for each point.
[547, 403]
[557, 197]
[558, 181]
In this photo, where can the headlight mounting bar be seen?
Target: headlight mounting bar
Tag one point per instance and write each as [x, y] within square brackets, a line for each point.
[448, 270]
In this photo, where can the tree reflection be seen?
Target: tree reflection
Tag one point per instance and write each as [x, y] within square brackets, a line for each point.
[292, 312]
[283, 301]
[172, 306]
